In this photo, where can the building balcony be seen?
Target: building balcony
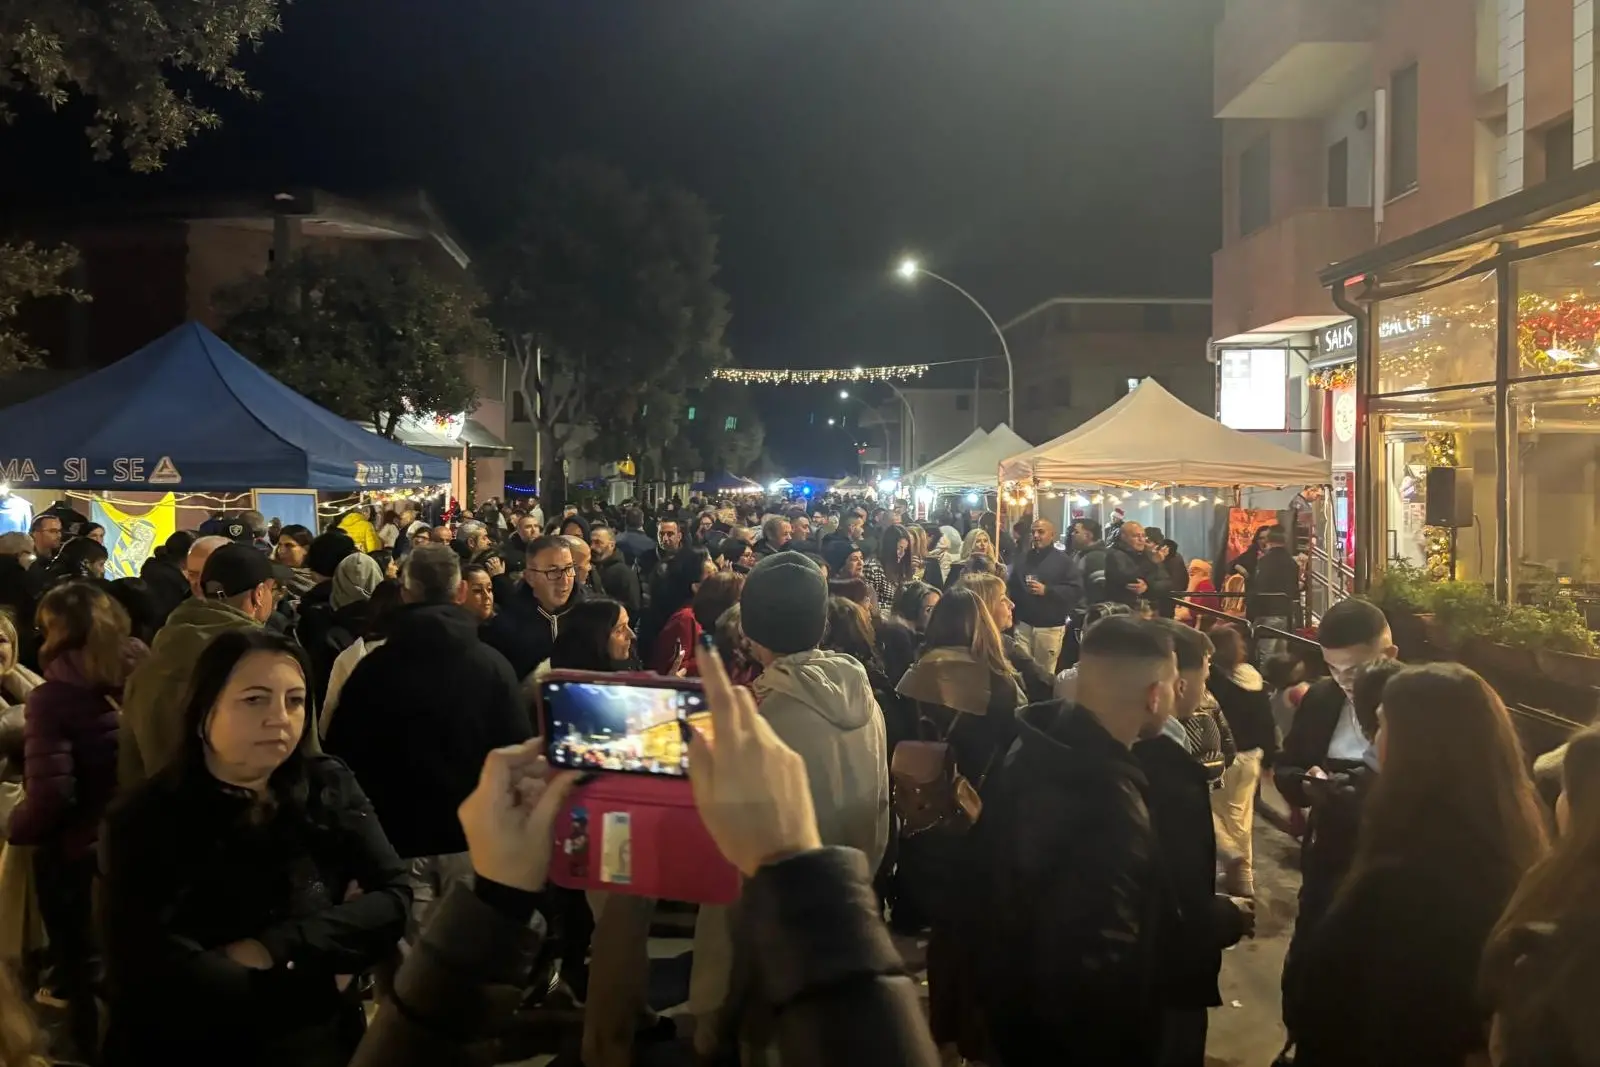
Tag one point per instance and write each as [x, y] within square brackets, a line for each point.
[1271, 275]
[1290, 59]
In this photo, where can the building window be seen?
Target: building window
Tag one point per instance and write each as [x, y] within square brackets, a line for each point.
[963, 402]
[691, 412]
[1558, 150]
[1339, 173]
[1255, 187]
[519, 407]
[1158, 318]
[1253, 391]
[516, 466]
[1403, 124]
[730, 423]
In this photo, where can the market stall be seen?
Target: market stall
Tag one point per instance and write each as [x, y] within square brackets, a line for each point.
[1151, 454]
[971, 464]
[187, 422]
[726, 482]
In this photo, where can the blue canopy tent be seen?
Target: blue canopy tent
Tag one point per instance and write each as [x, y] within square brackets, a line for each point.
[188, 413]
[726, 482]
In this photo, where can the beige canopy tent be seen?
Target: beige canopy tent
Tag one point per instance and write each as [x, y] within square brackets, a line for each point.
[1150, 437]
[972, 463]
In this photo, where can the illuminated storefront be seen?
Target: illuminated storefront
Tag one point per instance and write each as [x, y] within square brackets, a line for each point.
[1477, 393]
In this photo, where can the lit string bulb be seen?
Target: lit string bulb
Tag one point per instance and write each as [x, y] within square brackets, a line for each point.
[822, 376]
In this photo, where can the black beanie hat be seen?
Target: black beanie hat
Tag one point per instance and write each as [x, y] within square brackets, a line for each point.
[784, 605]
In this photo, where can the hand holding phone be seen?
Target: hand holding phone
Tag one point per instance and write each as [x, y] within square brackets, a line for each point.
[631, 723]
[751, 788]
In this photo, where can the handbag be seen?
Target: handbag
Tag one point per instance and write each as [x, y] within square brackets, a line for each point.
[929, 791]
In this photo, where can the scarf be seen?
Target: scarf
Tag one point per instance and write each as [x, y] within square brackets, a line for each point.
[949, 678]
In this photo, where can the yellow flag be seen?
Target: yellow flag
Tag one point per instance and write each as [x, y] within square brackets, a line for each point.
[132, 538]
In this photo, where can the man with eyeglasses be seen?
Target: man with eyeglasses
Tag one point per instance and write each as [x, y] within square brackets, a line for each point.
[534, 606]
[1326, 735]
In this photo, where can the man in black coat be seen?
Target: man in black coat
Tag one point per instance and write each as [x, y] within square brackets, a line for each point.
[1273, 590]
[1047, 589]
[617, 579]
[1084, 540]
[1131, 574]
[530, 610]
[1197, 922]
[418, 717]
[1064, 869]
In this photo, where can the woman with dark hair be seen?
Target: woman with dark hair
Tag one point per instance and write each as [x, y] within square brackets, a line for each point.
[890, 569]
[1244, 564]
[80, 559]
[850, 630]
[293, 551]
[899, 635]
[965, 693]
[594, 636]
[387, 562]
[247, 883]
[1541, 971]
[1450, 827]
[735, 554]
[94, 532]
[70, 770]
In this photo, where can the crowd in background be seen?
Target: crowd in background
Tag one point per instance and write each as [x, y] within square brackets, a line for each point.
[1041, 751]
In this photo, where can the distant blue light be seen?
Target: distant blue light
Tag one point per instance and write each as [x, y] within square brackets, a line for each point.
[806, 490]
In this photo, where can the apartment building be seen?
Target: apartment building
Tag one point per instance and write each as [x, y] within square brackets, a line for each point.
[1075, 356]
[1355, 126]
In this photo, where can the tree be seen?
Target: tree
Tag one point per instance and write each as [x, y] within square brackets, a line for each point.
[117, 54]
[368, 336]
[606, 293]
[727, 429]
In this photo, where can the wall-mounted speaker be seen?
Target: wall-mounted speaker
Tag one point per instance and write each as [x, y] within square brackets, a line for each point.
[1449, 500]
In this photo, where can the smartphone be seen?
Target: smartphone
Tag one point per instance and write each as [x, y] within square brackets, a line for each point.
[630, 723]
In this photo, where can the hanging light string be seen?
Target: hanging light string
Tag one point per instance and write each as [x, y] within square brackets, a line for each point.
[833, 375]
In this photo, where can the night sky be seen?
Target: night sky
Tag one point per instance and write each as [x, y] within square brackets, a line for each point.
[1026, 148]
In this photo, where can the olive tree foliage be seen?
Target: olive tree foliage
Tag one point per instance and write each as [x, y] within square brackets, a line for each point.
[119, 56]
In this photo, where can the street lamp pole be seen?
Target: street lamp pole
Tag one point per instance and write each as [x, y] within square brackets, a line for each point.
[910, 268]
[909, 460]
[844, 394]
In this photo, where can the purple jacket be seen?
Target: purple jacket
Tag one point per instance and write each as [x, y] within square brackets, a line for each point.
[70, 765]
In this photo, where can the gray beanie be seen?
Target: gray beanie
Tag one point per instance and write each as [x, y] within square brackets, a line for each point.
[784, 605]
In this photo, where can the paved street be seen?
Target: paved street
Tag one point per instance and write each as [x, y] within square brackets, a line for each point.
[1245, 1031]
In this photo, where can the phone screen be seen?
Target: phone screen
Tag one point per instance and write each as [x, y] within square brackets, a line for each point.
[600, 726]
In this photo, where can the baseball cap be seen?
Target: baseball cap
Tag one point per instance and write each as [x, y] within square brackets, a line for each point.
[234, 528]
[238, 568]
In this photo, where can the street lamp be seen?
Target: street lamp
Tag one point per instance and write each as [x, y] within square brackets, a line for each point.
[908, 271]
[844, 394]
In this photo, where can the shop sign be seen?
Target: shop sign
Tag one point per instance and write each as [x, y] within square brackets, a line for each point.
[1336, 341]
[1401, 325]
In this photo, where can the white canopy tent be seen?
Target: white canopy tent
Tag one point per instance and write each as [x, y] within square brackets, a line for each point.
[972, 463]
[1150, 437]
[977, 436]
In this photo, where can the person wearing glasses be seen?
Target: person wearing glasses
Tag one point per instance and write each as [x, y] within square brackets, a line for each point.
[533, 607]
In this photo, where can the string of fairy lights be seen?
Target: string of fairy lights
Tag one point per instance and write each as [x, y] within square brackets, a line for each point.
[822, 376]
[1022, 494]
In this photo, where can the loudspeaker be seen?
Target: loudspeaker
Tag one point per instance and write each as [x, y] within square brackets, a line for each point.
[1449, 497]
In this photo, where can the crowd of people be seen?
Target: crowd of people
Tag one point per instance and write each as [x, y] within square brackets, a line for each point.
[286, 774]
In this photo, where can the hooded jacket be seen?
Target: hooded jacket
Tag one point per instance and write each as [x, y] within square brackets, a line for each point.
[1064, 897]
[361, 531]
[821, 704]
[152, 705]
[417, 718]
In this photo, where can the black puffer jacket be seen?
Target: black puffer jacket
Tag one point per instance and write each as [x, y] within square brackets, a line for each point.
[417, 718]
[1125, 566]
[524, 633]
[1065, 898]
[824, 961]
